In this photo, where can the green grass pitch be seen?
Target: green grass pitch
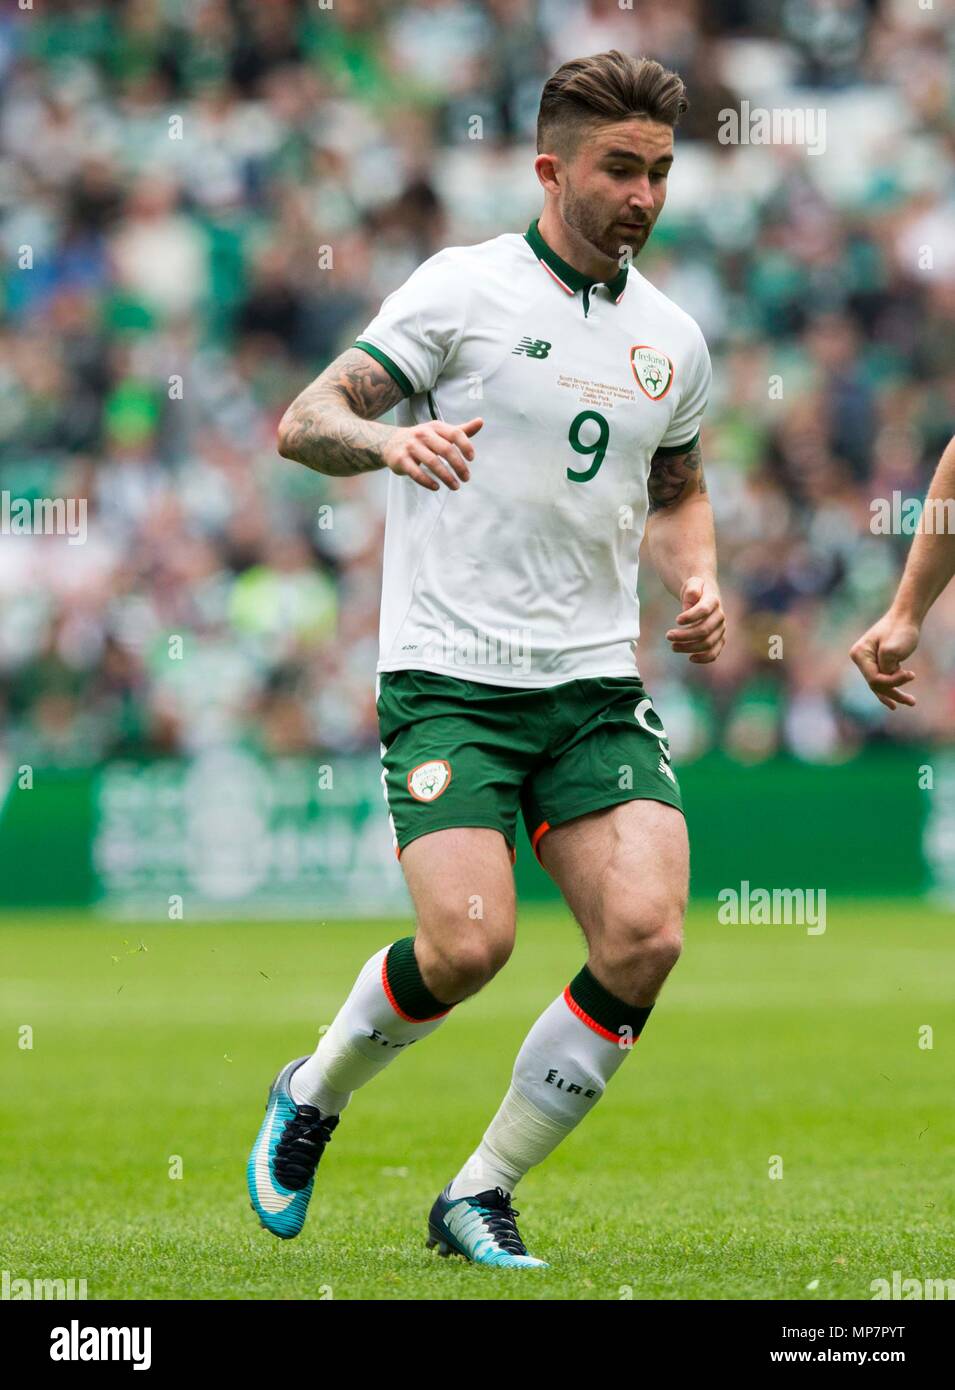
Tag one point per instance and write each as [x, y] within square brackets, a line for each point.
[156, 1041]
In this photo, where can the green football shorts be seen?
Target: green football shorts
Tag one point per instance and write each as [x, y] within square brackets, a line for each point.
[462, 753]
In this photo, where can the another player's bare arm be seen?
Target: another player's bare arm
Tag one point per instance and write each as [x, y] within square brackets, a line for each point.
[880, 652]
[682, 542]
[333, 427]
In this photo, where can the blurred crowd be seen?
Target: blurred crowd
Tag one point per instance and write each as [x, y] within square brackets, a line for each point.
[204, 201]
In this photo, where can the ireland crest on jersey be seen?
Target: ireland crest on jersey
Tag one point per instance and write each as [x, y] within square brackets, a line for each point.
[427, 781]
[653, 370]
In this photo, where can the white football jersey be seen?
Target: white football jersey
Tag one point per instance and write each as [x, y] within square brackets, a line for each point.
[527, 574]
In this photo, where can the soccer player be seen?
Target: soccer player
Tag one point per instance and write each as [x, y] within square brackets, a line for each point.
[507, 676]
[879, 653]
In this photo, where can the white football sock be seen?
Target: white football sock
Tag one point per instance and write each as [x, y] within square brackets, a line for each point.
[560, 1074]
[366, 1034]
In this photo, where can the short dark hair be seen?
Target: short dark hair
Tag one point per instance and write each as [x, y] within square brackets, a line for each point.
[605, 87]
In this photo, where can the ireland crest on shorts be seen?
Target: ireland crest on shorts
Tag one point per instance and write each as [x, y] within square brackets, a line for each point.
[427, 781]
[653, 370]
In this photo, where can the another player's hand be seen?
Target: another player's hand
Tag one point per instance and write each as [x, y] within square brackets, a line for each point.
[701, 627]
[879, 654]
[433, 451]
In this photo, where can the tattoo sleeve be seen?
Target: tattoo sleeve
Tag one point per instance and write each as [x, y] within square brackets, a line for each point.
[332, 427]
[674, 477]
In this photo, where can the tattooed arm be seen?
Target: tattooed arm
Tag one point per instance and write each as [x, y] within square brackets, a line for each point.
[675, 477]
[682, 544]
[332, 427]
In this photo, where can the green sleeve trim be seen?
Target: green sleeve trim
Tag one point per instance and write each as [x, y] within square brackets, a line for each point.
[385, 361]
[679, 448]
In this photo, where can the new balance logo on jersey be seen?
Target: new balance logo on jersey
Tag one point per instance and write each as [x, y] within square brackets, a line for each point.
[532, 347]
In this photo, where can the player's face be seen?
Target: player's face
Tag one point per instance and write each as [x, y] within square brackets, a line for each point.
[616, 184]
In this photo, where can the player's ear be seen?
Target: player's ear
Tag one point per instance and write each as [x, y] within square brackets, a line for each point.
[548, 168]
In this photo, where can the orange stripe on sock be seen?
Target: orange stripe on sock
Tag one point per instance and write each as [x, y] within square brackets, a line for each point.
[575, 1008]
[394, 1003]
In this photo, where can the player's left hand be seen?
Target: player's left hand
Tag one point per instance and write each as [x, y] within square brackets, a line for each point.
[701, 627]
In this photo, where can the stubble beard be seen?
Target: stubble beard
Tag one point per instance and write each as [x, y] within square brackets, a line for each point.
[580, 214]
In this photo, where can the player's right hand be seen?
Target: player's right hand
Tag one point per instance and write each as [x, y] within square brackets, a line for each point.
[433, 453]
[879, 654]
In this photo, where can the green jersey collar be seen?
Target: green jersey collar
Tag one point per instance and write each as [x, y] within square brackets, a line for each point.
[569, 279]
